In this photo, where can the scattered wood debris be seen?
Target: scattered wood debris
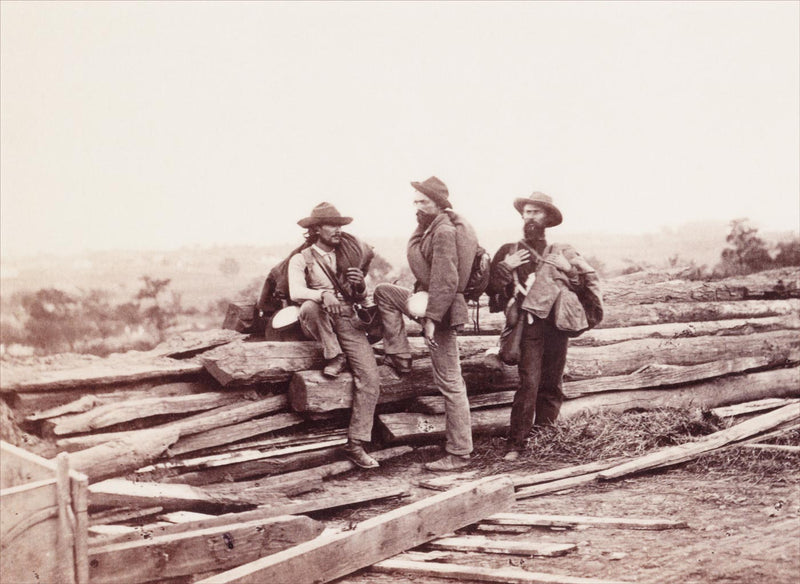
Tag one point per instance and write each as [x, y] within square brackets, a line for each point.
[213, 436]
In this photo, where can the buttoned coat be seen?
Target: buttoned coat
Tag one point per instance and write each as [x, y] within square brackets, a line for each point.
[440, 258]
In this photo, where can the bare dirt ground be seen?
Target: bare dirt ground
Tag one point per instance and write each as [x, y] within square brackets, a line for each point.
[744, 528]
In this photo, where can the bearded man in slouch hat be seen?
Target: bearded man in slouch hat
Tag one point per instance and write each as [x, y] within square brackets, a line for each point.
[552, 293]
[433, 253]
[332, 264]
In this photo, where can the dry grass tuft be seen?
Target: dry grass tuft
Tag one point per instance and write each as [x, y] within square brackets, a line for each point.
[598, 436]
[754, 464]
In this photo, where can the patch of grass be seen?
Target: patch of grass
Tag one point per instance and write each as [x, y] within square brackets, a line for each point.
[591, 437]
[753, 463]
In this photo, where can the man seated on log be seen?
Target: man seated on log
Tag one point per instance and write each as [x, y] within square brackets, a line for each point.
[325, 278]
[549, 294]
[433, 256]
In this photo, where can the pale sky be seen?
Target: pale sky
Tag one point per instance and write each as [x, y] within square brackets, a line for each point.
[156, 125]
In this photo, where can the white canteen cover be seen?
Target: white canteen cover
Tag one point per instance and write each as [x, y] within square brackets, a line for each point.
[418, 304]
[285, 317]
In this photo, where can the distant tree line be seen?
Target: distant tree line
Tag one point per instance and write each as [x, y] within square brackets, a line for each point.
[53, 321]
[747, 252]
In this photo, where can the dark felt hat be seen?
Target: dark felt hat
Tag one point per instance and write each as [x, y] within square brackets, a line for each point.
[324, 214]
[435, 190]
[543, 201]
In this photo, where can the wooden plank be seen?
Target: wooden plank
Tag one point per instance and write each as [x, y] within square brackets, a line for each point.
[118, 515]
[658, 375]
[120, 369]
[116, 458]
[780, 431]
[214, 548]
[556, 486]
[194, 424]
[568, 521]
[216, 460]
[29, 533]
[21, 467]
[669, 312]
[334, 497]
[83, 404]
[300, 437]
[629, 356]
[241, 363]
[124, 493]
[683, 452]
[726, 327]
[234, 433]
[622, 366]
[375, 539]
[192, 342]
[121, 492]
[779, 282]
[194, 522]
[330, 498]
[49, 404]
[258, 468]
[445, 482]
[65, 543]
[22, 503]
[651, 376]
[484, 545]
[117, 413]
[751, 407]
[251, 363]
[659, 313]
[706, 395]
[323, 471]
[507, 575]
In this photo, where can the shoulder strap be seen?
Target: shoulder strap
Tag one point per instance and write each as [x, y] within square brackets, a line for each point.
[548, 250]
[331, 276]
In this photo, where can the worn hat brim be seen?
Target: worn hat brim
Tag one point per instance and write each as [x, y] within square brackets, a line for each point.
[311, 221]
[552, 210]
[443, 202]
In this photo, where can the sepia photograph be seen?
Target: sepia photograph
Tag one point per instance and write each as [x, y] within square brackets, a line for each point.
[370, 292]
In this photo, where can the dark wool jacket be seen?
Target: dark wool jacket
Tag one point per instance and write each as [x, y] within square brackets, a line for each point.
[441, 259]
[581, 278]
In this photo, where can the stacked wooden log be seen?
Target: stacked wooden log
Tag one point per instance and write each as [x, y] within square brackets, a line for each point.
[221, 423]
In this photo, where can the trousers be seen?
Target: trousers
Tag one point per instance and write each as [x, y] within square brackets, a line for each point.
[543, 356]
[338, 335]
[445, 361]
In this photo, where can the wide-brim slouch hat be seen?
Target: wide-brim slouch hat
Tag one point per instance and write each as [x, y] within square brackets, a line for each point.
[434, 189]
[324, 214]
[543, 201]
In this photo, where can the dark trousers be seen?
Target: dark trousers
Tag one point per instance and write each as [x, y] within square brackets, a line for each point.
[543, 355]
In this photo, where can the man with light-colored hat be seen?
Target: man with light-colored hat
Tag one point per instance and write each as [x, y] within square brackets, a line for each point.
[549, 294]
[325, 277]
[440, 239]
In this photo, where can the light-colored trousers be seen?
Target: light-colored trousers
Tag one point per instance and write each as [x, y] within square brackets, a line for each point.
[446, 365]
[338, 335]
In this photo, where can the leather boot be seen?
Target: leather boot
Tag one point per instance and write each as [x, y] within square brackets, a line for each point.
[448, 462]
[354, 451]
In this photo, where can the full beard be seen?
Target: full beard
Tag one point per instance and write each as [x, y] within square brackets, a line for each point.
[424, 219]
[532, 231]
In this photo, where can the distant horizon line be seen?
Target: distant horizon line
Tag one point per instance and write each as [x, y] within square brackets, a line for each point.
[16, 255]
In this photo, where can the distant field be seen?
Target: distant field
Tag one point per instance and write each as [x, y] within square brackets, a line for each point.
[196, 273]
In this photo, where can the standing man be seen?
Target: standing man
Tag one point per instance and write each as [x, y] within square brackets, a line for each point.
[440, 254]
[326, 316]
[541, 280]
